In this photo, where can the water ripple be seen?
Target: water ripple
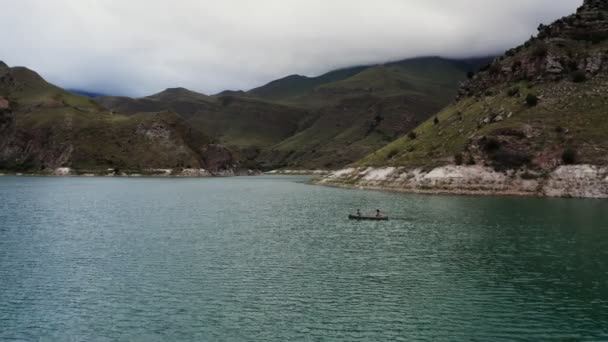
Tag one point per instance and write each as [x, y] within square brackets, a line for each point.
[270, 259]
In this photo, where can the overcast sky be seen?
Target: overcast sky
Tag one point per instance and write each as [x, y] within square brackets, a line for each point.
[138, 47]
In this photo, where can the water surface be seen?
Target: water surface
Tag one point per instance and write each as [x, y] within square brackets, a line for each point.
[274, 259]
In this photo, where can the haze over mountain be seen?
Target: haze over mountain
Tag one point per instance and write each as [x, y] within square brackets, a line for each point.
[138, 47]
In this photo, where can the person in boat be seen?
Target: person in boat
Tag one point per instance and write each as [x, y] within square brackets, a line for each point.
[378, 213]
[359, 212]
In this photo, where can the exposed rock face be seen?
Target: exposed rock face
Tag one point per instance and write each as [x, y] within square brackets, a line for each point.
[559, 50]
[584, 181]
[218, 158]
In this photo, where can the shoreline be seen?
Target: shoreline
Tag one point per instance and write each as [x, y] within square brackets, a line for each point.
[162, 173]
[150, 173]
[299, 172]
[578, 181]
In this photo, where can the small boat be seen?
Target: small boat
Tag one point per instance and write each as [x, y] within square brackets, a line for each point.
[367, 218]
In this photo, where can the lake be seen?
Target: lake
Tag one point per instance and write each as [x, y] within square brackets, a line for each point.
[275, 259]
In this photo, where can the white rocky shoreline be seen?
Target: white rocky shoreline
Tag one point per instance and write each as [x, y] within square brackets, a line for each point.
[178, 173]
[189, 172]
[299, 172]
[573, 181]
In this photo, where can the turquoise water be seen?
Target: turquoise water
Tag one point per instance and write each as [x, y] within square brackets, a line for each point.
[274, 259]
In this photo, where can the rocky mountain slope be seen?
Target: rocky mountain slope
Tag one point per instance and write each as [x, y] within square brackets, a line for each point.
[235, 120]
[534, 121]
[45, 129]
[361, 113]
[320, 122]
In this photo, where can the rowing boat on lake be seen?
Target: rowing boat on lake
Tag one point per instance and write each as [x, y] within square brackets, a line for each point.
[367, 218]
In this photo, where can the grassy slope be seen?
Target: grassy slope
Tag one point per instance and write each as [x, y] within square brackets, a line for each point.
[364, 112]
[290, 88]
[51, 127]
[243, 123]
[569, 116]
[33, 90]
[413, 77]
[584, 117]
[236, 121]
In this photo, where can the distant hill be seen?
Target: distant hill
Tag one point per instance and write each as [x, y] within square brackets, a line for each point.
[240, 122]
[316, 122]
[295, 86]
[380, 79]
[43, 127]
[375, 106]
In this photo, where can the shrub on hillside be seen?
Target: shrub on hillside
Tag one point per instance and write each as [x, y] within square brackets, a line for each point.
[495, 69]
[532, 100]
[458, 159]
[513, 91]
[505, 159]
[490, 144]
[412, 135]
[541, 50]
[569, 156]
[470, 160]
[392, 153]
[578, 76]
[436, 121]
[516, 66]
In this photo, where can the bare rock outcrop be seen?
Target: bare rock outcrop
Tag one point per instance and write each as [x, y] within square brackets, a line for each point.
[569, 45]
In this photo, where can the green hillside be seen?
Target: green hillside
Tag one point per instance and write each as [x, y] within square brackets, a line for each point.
[237, 121]
[368, 110]
[415, 76]
[290, 88]
[541, 105]
[43, 127]
[320, 122]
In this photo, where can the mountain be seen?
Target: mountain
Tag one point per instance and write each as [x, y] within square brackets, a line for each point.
[533, 118]
[315, 122]
[295, 86]
[379, 79]
[180, 100]
[43, 128]
[245, 124]
[361, 113]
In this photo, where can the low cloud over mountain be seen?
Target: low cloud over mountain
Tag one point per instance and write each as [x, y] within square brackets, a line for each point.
[137, 47]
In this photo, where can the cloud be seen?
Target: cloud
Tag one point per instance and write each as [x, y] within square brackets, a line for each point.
[138, 47]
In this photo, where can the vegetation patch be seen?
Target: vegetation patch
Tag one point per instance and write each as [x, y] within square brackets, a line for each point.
[503, 158]
[578, 76]
[458, 159]
[531, 100]
[513, 91]
[569, 156]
